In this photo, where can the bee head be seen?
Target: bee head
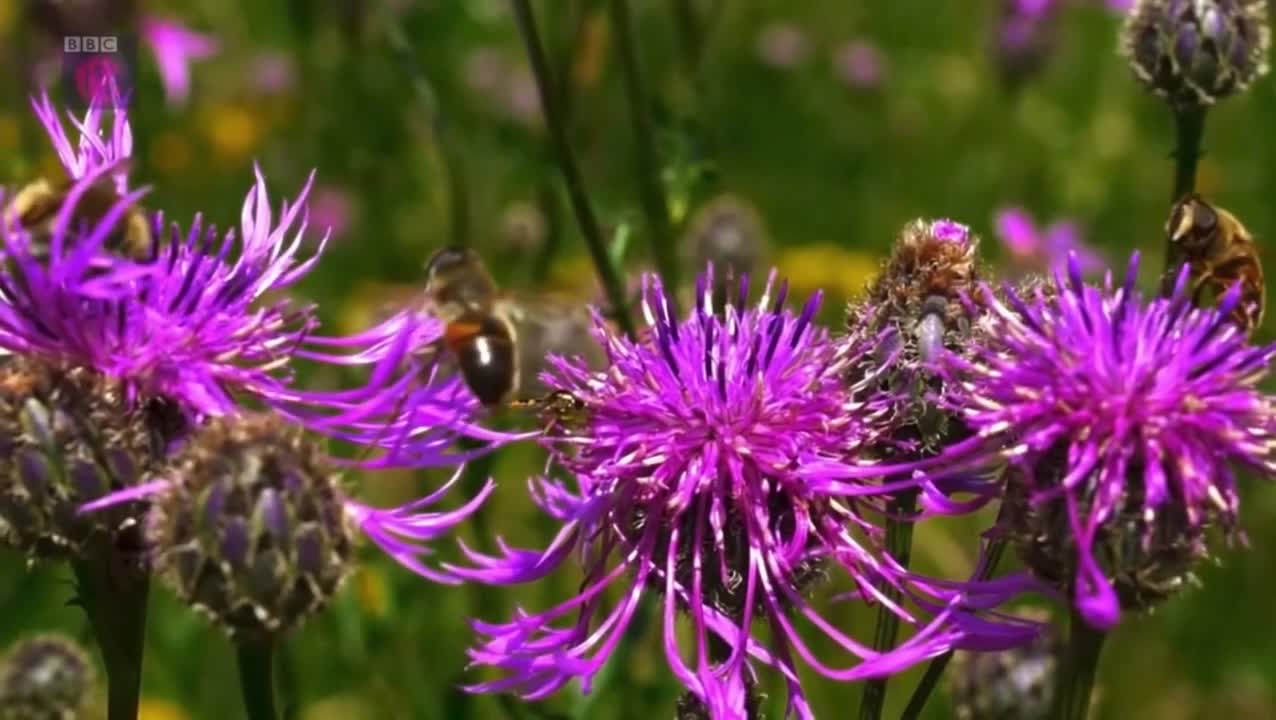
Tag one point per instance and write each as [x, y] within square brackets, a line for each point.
[1192, 223]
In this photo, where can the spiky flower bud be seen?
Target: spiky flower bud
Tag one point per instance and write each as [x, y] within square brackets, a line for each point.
[1196, 52]
[1015, 684]
[251, 530]
[68, 436]
[45, 677]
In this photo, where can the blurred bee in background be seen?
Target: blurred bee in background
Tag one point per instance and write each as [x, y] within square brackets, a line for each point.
[500, 341]
[35, 208]
[1220, 252]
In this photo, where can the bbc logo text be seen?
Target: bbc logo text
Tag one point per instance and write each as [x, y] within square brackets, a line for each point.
[90, 44]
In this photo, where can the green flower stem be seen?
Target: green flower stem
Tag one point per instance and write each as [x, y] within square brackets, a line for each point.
[113, 592]
[899, 543]
[650, 189]
[1078, 667]
[935, 670]
[555, 124]
[690, 36]
[1189, 125]
[257, 678]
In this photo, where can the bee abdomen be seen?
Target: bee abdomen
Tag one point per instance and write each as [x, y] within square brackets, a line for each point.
[484, 350]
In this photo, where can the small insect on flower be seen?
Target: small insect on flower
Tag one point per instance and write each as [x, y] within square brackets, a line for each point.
[710, 459]
[35, 208]
[1197, 52]
[1221, 253]
[1124, 421]
[44, 677]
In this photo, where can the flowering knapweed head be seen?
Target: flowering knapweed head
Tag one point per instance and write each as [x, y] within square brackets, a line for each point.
[713, 464]
[1194, 53]
[1016, 684]
[44, 677]
[1039, 250]
[1123, 421]
[251, 525]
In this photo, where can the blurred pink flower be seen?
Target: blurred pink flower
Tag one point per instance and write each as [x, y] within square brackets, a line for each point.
[859, 65]
[274, 72]
[1043, 249]
[783, 46]
[175, 46]
[332, 210]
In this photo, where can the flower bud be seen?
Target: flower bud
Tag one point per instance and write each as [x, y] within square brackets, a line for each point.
[1015, 684]
[1196, 52]
[1148, 558]
[252, 530]
[45, 677]
[68, 437]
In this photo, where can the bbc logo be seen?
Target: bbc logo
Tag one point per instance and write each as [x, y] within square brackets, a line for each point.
[90, 44]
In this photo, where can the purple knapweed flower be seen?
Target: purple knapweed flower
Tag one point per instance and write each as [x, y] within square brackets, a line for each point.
[716, 463]
[95, 146]
[175, 47]
[1123, 421]
[1038, 249]
[201, 330]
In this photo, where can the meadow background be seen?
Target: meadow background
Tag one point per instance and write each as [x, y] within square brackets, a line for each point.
[447, 143]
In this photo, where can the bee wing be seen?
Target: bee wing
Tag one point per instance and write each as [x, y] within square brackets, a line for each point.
[544, 325]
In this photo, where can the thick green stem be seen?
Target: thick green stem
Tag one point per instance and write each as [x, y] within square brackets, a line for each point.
[899, 542]
[650, 188]
[1189, 125]
[257, 678]
[1077, 669]
[113, 591]
[555, 124]
[935, 670]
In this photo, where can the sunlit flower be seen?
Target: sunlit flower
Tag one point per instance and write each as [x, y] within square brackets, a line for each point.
[717, 462]
[1123, 421]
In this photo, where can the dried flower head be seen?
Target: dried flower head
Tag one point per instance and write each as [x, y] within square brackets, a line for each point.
[918, 297]
[1014, 684]
[45, 677]
[68, 437]
[1123, 421]
[1196, 52]
[716, 462]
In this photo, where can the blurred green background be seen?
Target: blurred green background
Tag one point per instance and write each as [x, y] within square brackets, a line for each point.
[834, 166]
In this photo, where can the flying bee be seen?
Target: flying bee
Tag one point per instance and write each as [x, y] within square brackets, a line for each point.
[1220, 253]
[499, 340]
[35, 208]
[460, 291]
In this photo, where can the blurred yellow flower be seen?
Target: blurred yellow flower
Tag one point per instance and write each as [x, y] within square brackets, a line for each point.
[157, 709]
[233, 131]
[371, 591]
[170, 153]
[827, 267]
